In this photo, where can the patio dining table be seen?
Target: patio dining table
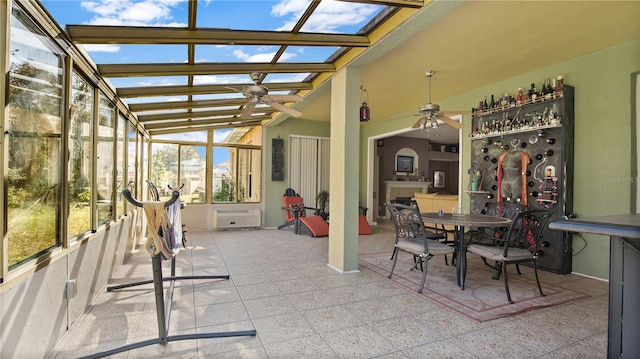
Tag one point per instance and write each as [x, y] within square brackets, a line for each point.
[460, 221]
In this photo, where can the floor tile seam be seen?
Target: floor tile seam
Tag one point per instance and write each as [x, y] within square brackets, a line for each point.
[74, 333]
[376, 328]
[266, 345]
[443, 340]
[509, 337]
[570, 345]
[459, 340]
[300, 310]
[60, 350]
[558, 331]
[571, 316]
[370, 328]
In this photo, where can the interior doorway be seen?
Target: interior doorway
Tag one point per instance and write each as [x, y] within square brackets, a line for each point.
[381, 156]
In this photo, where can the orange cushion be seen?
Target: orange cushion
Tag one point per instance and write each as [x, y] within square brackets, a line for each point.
[316, 225]
[363, 225]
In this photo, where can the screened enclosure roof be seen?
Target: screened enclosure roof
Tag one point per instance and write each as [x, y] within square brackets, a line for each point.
[182, 65]
[190, 65]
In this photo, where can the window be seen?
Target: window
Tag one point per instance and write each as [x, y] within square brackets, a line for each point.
[80, 157]
[121, 170]
[34, 139]
[144, 163]
[164, 168]
[249, 170]
[224, 182]
[105, 159]
[193, 161]
[237, 165]
[237, 174]
[132, 159]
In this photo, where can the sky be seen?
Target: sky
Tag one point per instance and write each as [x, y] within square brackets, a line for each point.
[274, 15]
[330, 17]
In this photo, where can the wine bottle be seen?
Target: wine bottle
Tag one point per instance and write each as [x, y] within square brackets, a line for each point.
[519, 97]
[493, 102]
[533, 93]
[485, 105]
[549, 88]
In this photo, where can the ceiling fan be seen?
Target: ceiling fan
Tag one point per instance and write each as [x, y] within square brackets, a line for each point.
[258, 94]
[431, 113]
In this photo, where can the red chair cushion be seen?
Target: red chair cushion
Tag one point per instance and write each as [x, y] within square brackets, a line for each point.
[316, 225]
[363, 225]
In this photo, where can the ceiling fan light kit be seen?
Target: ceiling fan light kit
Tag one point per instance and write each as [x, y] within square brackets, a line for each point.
[431, 112]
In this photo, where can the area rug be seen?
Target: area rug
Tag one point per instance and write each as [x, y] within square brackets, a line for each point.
[483, 298]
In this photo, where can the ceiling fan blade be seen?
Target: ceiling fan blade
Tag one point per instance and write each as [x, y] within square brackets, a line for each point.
[282, 108]
[248, 110]
[451, 122]
[285, 98]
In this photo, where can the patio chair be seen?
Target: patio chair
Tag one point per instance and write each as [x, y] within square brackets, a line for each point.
[296, 215]
[432, 231]
[413, 238]
[491, 235]
[520, 244]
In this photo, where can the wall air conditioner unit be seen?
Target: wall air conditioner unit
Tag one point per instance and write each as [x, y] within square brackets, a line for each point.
[229, 220]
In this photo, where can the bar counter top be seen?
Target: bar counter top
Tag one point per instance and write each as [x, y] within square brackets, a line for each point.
[623, 225]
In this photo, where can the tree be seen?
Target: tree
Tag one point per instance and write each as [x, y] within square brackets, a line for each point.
[226, 192]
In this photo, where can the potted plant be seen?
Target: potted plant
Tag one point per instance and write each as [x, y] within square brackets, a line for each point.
[475, 176]
[321, 199]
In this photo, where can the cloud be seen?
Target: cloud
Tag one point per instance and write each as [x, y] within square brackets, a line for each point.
[263, 57]
[165, 81]
[101, 48]
[329, 17]
[214, 80]
[132, 13]
[221, 136]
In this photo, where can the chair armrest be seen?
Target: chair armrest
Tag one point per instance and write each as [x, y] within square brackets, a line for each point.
[294, 210]
[364, 210]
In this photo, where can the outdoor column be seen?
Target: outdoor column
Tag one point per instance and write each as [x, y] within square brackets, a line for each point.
[344, 181]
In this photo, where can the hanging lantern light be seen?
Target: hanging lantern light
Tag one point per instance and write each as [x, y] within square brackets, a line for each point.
[365, 112]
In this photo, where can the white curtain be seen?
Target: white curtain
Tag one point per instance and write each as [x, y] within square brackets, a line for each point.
[309, 166]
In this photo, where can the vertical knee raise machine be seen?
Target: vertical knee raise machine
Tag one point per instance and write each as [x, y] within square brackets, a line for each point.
[163, 307]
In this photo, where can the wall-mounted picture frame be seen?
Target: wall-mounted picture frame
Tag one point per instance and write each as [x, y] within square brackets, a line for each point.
[438, 179]
[404, 164]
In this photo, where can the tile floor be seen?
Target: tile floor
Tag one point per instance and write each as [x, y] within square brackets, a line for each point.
[282, 287]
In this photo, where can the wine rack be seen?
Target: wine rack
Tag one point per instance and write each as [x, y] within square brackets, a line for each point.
[532, 144]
